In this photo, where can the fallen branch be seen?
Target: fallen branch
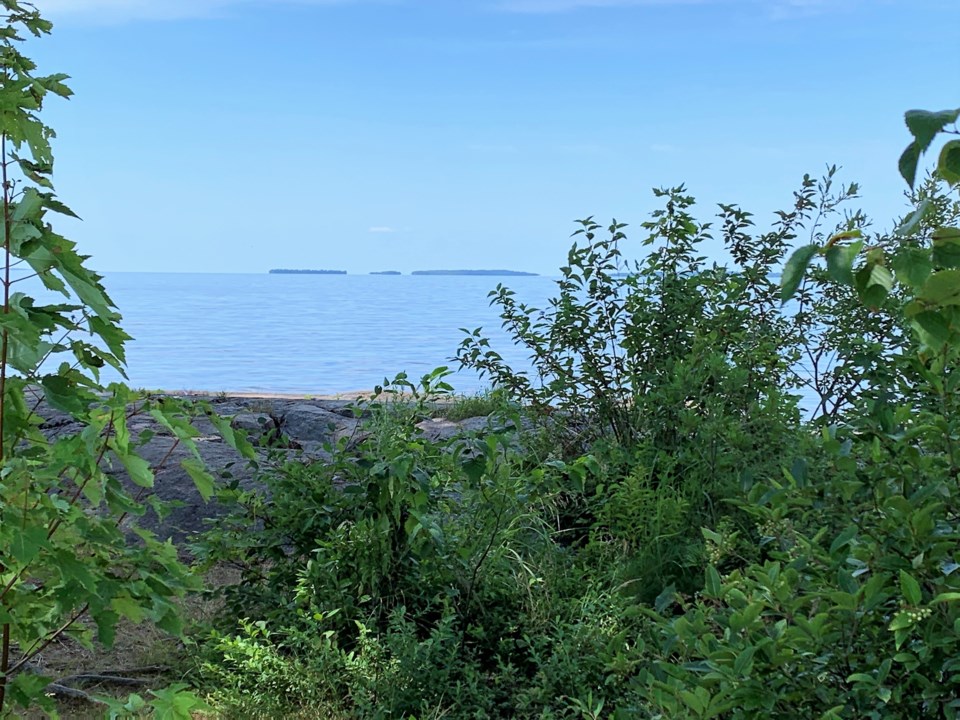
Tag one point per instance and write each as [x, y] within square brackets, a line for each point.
[85, 678]
[62, 691]
[63, 687]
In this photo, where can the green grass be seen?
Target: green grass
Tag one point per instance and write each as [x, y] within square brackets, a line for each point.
[482, 404]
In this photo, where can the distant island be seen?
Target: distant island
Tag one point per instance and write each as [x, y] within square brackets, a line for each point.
[386, 272]
[285, 271]
[472, 272]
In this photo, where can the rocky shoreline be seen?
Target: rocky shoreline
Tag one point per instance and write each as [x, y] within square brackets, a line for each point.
[296, 426]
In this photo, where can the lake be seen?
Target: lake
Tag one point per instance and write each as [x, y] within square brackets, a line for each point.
[306, 334]
[310, 334]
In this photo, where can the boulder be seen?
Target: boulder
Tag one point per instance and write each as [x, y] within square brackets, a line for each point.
[304, 422]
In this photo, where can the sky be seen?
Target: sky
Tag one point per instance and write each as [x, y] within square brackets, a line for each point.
[363, 135]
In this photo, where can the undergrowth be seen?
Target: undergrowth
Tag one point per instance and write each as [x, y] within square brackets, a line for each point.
[660, 529]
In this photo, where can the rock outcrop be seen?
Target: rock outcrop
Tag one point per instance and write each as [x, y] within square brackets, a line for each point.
[298, 427]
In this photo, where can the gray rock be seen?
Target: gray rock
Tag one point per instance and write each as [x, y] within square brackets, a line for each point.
[345, 408]
[475, 425]
[440, 429]
[255, 425]
[173, 484]
[309, 423]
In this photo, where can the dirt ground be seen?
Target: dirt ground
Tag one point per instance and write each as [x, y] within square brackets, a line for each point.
[141, 652]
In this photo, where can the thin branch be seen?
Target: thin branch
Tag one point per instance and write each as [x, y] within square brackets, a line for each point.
[100, 678]
[40, 645]
[31, 276]
[4, 349]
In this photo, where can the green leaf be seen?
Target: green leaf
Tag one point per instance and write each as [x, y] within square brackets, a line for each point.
[712, 536]
[744, 662]
[201, 478]
[129, 608]
[28, 543]
[170, 622]
[62, 394]
[942, 288]
[112, 336]
[879, 275]
[946, 597]
[910, 588]
[873, 283]
[694, 701]
[176, 702]
[901, 621]
[25, 687]
[844, 538]
[665, 599]
[28, 205]
[235, 440]
[908, 163]
[794, 270]
[925, 125]
[89, 291]
[949, 163]
[912, 266]
[840, 261]
[712, 585]
[137, 468]
[911, 223]
[72, 569]
[934, 324]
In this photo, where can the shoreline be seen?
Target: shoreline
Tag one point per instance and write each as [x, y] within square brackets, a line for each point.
[263, 395]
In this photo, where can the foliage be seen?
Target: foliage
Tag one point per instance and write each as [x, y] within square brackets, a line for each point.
[397, 560]
[649, 528]
[69, 546]
[449, 565]
[668, 370]
[484, 403]
[673, 539]
[176, 702]
[852, 611]
[617, 337]
[925, 126]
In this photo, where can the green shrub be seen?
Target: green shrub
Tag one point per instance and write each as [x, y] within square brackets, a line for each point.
[672, 540]
[72, 560]
[854, 610]
[423, 560]
[482, 404]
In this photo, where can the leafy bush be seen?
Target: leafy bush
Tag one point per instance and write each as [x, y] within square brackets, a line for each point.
[673, 539]
[420, 558]
[69, 546]
[854, 610]
[481, 404]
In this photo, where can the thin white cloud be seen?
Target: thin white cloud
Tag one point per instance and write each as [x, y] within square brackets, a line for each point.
[113, 11]
[585, 148]
[557, 6]
[774, 8]
[789, 9]
[381, 229]
[493, 148]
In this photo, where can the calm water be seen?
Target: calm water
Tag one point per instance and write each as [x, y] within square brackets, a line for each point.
[304, 333]
[309, 334]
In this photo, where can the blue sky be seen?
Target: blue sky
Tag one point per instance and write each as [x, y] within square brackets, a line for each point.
[240, 135]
